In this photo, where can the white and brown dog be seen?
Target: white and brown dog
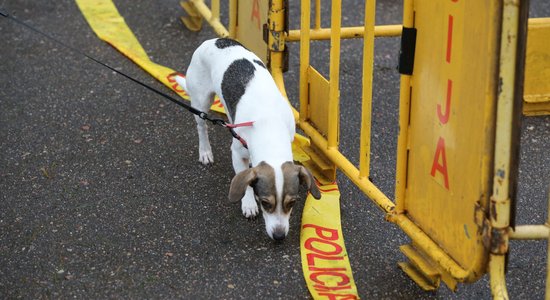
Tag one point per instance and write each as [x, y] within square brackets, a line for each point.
[265, 172]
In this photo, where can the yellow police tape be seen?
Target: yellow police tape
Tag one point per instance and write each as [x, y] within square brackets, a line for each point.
[325, 262]
[108, 24]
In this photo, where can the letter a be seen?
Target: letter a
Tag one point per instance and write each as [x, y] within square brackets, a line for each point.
[436, 166]
[256, 13]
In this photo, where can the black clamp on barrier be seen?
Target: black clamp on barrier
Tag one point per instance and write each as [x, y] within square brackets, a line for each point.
[406, 53]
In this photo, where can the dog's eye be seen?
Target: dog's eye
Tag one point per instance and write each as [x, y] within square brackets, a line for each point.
[266, 204]
[290, 203]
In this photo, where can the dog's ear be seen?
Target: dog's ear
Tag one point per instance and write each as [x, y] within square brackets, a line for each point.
[239, 183]
[307, 179]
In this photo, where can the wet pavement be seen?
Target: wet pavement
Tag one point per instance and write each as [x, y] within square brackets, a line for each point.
[102, 195]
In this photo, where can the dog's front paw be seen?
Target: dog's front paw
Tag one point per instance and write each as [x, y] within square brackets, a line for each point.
[249, 207]
[206, 157]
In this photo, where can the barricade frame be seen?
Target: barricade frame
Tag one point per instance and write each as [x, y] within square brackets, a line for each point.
[496, 222]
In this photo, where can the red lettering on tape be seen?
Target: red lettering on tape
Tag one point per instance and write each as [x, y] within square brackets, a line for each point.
[315, 277]
[328, 281]
[312, 256]
[319, 230]
[309, 245]
[325, 269]
[175, 86]
[324, 288]
[217, 103]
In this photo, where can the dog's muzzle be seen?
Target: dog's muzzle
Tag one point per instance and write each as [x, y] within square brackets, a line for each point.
[279, 233]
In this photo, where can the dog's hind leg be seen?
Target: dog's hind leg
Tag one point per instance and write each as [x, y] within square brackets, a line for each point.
[203, 102]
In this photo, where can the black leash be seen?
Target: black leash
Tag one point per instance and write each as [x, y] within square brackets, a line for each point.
[201, 114]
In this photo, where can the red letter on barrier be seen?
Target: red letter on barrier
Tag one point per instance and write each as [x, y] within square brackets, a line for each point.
[319, 230]
[449, 38]
[256, 13]
[440, 151]
[444, 118]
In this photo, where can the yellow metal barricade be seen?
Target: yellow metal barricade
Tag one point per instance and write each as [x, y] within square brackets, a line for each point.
[460, 103]
[537, 68]
[450, 136]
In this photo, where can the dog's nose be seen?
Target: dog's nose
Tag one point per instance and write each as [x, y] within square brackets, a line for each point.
[279, 235]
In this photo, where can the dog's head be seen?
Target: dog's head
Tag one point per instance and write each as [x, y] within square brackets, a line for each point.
[276, 189]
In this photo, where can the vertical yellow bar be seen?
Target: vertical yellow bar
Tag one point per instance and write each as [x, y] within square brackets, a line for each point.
[500, 199]
[304, 58]
[334, 74]
[233, 18]
[276, 58]
[317, 14]
[216, 9]
[505, 105]
[498, 278]
[368, 57]
[404, 107]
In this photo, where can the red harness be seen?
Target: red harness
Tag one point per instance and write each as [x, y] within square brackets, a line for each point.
[235, 135]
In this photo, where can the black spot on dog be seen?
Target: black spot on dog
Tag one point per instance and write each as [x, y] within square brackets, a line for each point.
[260, 63]
[223, 43]
[234, 82]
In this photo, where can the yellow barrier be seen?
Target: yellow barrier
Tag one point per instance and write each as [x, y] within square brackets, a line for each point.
[442, 147]
[440, 249]
[537, 68]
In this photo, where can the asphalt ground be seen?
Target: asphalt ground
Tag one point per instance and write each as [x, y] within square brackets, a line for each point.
[102, 195]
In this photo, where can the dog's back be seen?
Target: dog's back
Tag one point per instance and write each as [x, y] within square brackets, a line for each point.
[226, 68]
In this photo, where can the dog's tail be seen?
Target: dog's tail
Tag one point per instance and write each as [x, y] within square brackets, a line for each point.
[181, 81]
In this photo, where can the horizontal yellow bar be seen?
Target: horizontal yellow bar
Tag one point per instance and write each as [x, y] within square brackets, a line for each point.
[347, 32]
[530, 232]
